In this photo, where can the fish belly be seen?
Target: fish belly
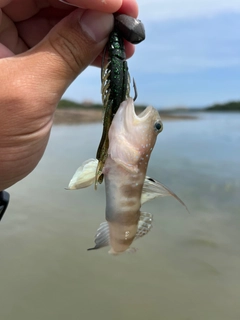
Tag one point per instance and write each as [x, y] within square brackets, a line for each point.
[123, 195]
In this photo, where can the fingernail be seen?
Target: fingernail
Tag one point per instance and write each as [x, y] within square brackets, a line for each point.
[97, 24]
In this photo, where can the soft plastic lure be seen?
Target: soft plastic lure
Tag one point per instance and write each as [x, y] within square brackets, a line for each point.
[115, 78]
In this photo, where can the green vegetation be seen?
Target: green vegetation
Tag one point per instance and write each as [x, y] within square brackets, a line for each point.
[68, 104]
[229, 106]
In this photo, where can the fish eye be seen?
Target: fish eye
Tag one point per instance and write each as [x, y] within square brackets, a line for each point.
[158, 126]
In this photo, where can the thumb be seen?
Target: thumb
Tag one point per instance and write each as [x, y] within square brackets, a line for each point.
[34, 83]
[72, 45]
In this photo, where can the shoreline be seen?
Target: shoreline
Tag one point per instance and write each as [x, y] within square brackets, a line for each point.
[81, 116]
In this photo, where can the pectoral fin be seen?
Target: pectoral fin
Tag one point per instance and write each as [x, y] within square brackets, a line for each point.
[102, 236]
[84, 176]
[144, 224]
[153, 189]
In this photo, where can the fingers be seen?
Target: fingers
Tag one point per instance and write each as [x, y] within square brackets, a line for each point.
[9, 40]
[33, 83]
[3, 3]
[5, 52]
[40, 17]
[109, 6]
[25, 9]
[69, 48]
[129, 7]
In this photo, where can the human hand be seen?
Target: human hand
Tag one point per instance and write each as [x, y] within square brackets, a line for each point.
[44, 46]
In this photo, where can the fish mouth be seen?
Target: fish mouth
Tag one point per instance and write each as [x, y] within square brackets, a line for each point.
[129, 113]
[145, 112]
[126, 121]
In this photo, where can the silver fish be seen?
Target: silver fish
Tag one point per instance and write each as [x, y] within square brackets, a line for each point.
[132, 139]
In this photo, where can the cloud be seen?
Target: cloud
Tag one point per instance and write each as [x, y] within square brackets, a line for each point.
[185, 9]
[188, 46]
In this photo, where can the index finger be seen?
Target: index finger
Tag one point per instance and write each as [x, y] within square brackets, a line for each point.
[108, 6]
[128, 7]
[25, 9]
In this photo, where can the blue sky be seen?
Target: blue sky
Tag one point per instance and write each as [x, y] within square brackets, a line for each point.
[191, 55]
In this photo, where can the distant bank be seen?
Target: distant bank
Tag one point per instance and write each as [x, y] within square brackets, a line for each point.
[88, 105]
[229, 106]
[70, 112]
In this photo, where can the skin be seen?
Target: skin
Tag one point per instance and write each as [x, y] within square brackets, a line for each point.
[44, 46]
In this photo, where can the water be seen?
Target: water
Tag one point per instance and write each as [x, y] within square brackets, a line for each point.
[187, 268]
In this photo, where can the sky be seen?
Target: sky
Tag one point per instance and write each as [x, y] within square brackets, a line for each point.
[190, 57]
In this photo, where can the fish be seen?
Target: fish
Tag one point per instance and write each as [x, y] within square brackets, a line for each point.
[131, 140]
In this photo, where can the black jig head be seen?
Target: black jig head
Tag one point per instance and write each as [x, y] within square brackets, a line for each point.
[131, 29]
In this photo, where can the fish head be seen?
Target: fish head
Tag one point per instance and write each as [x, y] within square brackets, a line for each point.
[133, 134]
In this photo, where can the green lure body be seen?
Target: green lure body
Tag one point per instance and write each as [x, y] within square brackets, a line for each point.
[115, 78]
[115, 89]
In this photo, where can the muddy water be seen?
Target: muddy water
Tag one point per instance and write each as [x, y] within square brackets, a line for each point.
[186, 268]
